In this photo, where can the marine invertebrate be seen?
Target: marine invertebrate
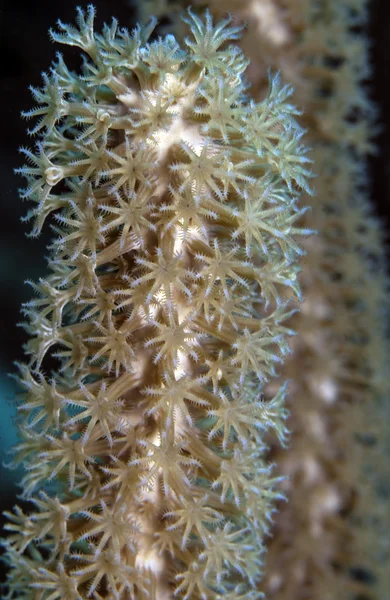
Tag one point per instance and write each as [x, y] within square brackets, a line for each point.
[176, 202]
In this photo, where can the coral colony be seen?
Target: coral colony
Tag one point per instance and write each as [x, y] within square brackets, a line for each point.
[174, 200]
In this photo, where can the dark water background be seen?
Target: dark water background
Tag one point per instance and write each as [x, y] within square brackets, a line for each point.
[26, 51]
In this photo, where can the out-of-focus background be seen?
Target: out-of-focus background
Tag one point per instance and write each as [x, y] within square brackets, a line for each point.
[26, 51]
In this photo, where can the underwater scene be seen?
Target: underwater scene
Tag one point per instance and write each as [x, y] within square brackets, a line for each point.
[194, 367]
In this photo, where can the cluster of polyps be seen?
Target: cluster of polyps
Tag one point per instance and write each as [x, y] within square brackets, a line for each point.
[176, 200]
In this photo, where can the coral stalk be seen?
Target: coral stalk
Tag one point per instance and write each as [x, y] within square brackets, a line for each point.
[176, 206]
